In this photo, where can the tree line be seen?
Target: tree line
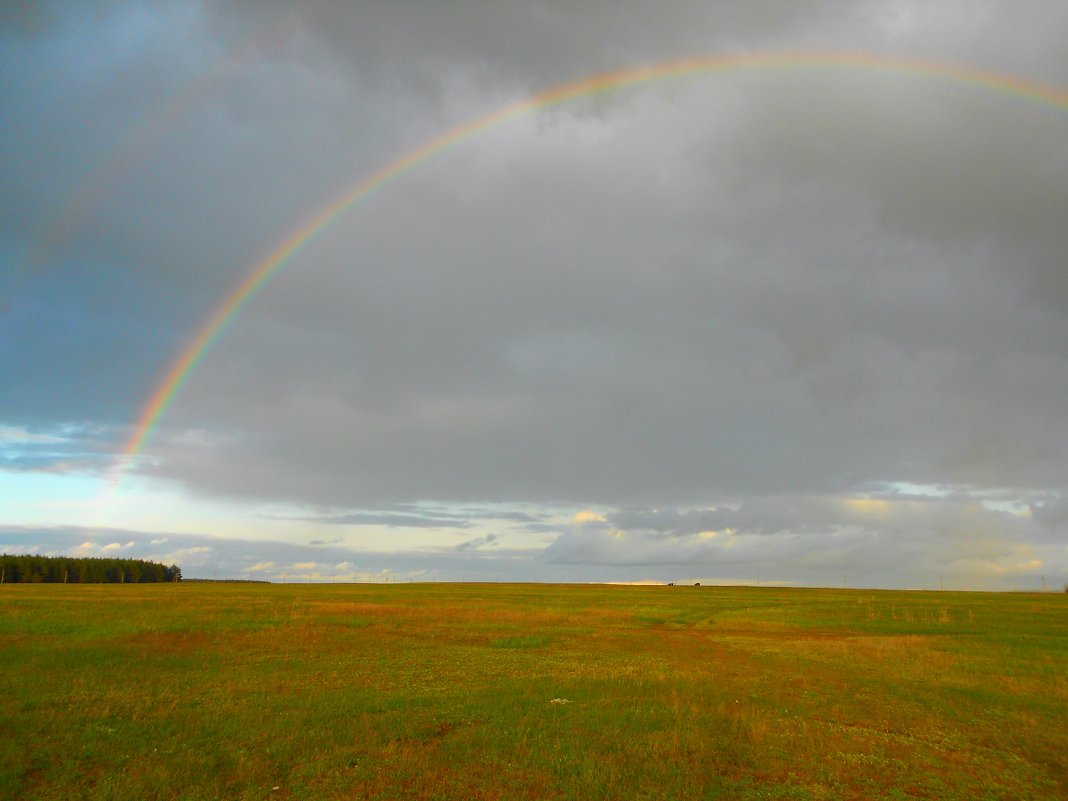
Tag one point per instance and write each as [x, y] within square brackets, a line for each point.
[31, 569]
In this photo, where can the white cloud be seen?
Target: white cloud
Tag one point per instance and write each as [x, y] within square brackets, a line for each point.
[191, 557]
[21, 435]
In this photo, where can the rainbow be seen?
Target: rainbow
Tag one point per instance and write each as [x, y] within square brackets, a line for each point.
[283, 254]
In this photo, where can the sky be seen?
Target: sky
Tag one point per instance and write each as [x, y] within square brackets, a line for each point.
[797, 321]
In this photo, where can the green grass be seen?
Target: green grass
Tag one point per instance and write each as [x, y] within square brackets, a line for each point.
[212, 691]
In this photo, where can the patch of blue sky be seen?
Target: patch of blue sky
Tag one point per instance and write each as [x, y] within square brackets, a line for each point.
[929, 490]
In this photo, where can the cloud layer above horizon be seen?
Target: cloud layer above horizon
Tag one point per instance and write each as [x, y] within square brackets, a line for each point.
[723, 312]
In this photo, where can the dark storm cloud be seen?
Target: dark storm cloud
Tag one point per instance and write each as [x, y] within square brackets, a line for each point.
[739, 296]
[418, 47]
[715, 318]
[148, 158]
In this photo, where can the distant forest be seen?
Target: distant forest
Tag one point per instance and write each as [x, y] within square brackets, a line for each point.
[29, 569]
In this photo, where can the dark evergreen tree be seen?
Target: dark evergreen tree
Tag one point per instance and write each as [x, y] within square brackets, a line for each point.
[27, 568]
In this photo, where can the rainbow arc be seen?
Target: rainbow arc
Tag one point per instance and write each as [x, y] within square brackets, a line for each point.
[283, 254]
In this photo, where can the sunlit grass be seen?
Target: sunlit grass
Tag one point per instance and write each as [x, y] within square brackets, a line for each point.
[208, 691]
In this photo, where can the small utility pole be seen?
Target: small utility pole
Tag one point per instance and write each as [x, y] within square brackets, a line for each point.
[1043, 584]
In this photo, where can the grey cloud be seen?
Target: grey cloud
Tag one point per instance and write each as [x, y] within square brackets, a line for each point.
[899, 542]
[420, 46]
[418, 516]
[512, 516]
[1053, 514]
[477, 542]
[391, 519]
[784, 337]
[27, 17]
[960, 512]
[65, 448]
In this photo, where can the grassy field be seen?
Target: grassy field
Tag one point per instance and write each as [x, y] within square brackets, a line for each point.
[228, 691]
